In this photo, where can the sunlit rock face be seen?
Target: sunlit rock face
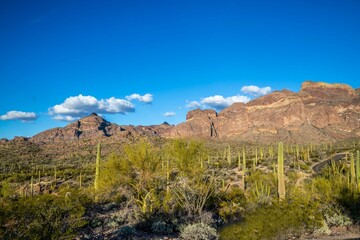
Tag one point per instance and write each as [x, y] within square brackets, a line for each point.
[318, 112]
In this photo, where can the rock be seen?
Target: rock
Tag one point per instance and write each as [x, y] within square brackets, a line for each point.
[199, 114]
[199, 123]
[18, 139]
[319, 112]
[96, 127]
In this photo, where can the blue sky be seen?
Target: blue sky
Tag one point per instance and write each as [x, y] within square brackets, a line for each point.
[60, 60]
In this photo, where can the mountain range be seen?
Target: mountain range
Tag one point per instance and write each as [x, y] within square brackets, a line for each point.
[318, 112]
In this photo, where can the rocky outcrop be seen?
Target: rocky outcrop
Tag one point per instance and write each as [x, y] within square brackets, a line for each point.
[95, 127]
[19, 139]
[199, 123]
[319, 112]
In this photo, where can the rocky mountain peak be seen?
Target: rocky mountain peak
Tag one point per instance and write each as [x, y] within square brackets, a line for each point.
[91, 121]
[95, 127]
[319, 112]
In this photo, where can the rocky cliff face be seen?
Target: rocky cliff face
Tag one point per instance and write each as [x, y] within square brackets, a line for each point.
[319, 112]
[199, 123]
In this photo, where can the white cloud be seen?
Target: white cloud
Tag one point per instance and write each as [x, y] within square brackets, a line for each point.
[79, 106]
[169, 114]
[255, 90]
[115, 105]
[65, 118]
[76, 105]
[219, 102]
[18, 115]
[193, 104]
[147, 98]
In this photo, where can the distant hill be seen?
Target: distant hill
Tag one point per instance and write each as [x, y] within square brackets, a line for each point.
[95, 127]
[319, 112]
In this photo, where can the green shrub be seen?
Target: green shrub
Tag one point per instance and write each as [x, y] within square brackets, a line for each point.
[186, 154]
[323, 229]
[232, 205]
[337, 219]
[5, 189]
[198, 231]
[193, 195]
[277, 221]
[42, 216]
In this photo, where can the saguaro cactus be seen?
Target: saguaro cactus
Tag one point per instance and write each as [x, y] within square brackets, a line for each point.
[281, 178]
[352, 169]
[55, 175]
[97, 170]
[39, 181]
[80, 180]
[167, 176]
[244, 159]
[244, 168]
[229, 156]
[358, 169]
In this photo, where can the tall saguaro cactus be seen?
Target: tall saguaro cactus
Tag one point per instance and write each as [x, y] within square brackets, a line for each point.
[168, 176]
[358, 169]
[55, 177]
[244, 159]
[97, 171]
[229, 156]
[80, 180]
[281, 177]
[31, 186]
[352, 169]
